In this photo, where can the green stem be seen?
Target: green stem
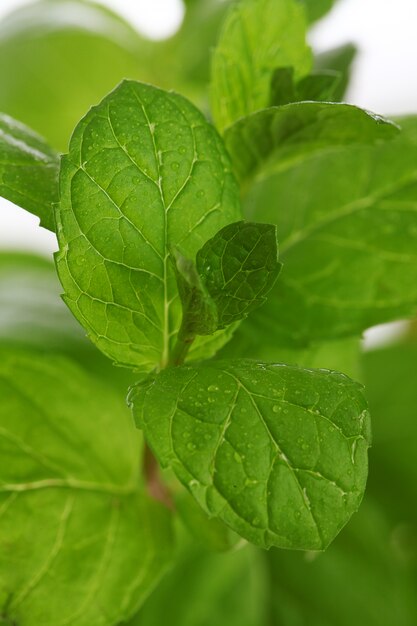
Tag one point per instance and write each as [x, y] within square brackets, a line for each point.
[180, 350]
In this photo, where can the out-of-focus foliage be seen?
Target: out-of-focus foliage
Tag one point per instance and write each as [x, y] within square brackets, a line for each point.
[76, 51]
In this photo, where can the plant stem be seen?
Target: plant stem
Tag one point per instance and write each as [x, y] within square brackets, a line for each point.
[157, 489]
[180, 350]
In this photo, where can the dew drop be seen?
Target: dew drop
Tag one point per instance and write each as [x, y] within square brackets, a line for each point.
[276, 408]
[175, 166]
[213, 388]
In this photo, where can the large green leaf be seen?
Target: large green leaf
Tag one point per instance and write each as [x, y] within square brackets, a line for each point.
[206, 589]
[145, 172]
[347, 227]
[274, 139]
[59, 57]
[28, 170]
[80, 542]
[255, 341]
[31, 311]
[32, 315]
[257, 37]
[277, 452]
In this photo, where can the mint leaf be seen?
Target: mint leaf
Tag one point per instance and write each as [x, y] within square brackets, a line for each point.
[342, 355]
[239, 267]
[212, 590]
[317, 8]
[69, 477]
[74, 52]
[28, 170]
[257, 37]
[338, 60]
[319, 86]
[264, 141]
[348, 246]
[210, 533]
[145, 173]
[327, 589]
[199, 315]
[276, 452]
[283, 89]
[32, 315]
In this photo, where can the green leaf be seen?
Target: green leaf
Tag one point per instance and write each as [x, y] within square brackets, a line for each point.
[361, 579]
[274, 138]
[339, 60]
[250, 340]
[145, 173]
[283, 89]
[32, 313]
[199, 311]
[34, 316]
[276, 452]
[348, 243]
[209, 533]
[257, 37]
[319, 86]
[391, 382]
[239, 267]
[206, 589]
[28, 170]
[80, 542]
[187, 55]
[74, 52]
[317, 8]
[378, 550]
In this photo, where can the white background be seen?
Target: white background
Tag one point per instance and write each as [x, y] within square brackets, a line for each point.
[384, 79]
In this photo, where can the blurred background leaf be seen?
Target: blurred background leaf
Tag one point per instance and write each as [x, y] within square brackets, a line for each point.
[57, 57]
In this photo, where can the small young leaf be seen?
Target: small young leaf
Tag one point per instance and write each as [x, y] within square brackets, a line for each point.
[283, 88]
[239, 267]
[258, 36]
[273, 136]
[277, 452]
[339, 60]
[28, 170]
[199, 311]
[80, 542]
[317, 8]
[318, 86]
[145, 173]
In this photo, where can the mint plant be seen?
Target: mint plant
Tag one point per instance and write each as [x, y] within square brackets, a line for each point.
[228, 264]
